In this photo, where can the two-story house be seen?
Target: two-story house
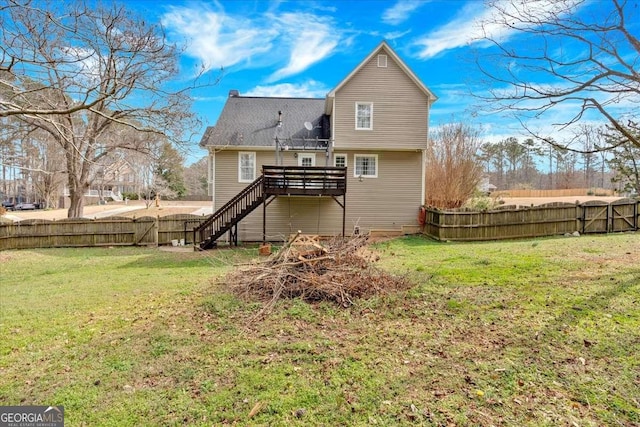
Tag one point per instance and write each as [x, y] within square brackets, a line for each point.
[353, 161]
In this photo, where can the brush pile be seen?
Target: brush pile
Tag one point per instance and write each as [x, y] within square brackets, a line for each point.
[338, 271]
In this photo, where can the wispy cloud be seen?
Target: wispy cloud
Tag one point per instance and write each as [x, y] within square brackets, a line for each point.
[309, 89]
[475, 21]
[401, 11]
[393, 35]
[310, 38]
[296, 40]
[217, 39]
[460, 31]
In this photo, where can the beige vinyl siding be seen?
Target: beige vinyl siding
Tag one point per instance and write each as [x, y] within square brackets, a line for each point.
[285, 215]
[400, 109]
[387, 202]
[392, 199]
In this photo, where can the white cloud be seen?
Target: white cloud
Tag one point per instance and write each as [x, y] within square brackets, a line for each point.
[475, 21]
[309, 89]
[396, 34]
[400, 12]
[218, 39]
[310, 39]
[456, 33]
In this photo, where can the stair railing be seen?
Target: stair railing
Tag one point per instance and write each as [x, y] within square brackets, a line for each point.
[225, 217]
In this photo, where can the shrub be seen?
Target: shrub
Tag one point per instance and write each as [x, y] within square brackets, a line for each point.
[482, 203]
[453, 168]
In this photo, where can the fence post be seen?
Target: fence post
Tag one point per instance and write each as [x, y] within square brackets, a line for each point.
[156, 231]
[578, 217]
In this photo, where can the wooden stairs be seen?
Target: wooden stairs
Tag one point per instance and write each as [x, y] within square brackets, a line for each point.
[275, 181]
[228, 216]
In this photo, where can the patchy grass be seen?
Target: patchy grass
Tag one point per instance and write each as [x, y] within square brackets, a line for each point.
[538, 332]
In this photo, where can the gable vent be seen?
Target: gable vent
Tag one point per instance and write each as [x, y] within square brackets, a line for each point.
[382, 61]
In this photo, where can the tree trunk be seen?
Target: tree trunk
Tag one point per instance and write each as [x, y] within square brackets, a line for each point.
[77, 188]
[76, 208]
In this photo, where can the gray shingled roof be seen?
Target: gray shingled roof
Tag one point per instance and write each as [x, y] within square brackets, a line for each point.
[252, 121]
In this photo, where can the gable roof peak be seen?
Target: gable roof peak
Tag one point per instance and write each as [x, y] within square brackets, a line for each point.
[388, 50]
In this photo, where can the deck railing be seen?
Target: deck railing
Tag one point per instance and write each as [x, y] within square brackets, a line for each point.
[274, 181]
[304, 180]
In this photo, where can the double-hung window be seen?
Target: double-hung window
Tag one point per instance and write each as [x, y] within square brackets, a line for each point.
[246, 166]
[340, 160]
[307, 160]
[365, 165]
[364, 115]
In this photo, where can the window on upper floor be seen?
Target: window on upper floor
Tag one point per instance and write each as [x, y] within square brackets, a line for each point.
[382, 61]
[246, 166]
[340, 160]
[365, 165]
[364, 115]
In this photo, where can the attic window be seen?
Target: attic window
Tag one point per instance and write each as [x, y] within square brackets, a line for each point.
[382, 61]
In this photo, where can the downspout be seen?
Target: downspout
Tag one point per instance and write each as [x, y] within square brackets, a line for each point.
[423, 192]
[213, 179]
[333, 130]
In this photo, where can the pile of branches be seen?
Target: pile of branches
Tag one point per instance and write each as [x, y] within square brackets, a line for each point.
[339, 271]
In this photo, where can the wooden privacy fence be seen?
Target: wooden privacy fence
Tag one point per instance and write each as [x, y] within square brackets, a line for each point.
[111, 231]
[551, 219]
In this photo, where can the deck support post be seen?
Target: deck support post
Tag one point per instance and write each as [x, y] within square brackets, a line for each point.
[344, 212]
[264, 219]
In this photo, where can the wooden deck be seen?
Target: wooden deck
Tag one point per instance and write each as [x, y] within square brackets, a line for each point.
[304, 181]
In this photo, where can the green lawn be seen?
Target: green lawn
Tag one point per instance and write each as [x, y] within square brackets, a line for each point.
[528, 333]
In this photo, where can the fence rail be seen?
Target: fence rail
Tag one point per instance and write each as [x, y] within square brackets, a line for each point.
[111, 231]
[537, 221]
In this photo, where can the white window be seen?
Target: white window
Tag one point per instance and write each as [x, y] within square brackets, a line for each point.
[366, 165]
[364, 116]
[382, 61]
[340, 160]
[246, 166]
[307, 160]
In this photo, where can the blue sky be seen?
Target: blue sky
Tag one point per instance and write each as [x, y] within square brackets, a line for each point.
[305, 48]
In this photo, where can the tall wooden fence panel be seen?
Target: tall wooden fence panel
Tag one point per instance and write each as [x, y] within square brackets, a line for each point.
[537, 221]
[595, 217]
[111, 231]
[625, 215]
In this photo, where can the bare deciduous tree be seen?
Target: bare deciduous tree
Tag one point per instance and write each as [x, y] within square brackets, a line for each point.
[454, 169]
[195, 178]
[78, 72]
[570, 57]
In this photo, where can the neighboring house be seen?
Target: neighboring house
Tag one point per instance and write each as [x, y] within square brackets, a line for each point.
[374, 124]
[112, 176]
